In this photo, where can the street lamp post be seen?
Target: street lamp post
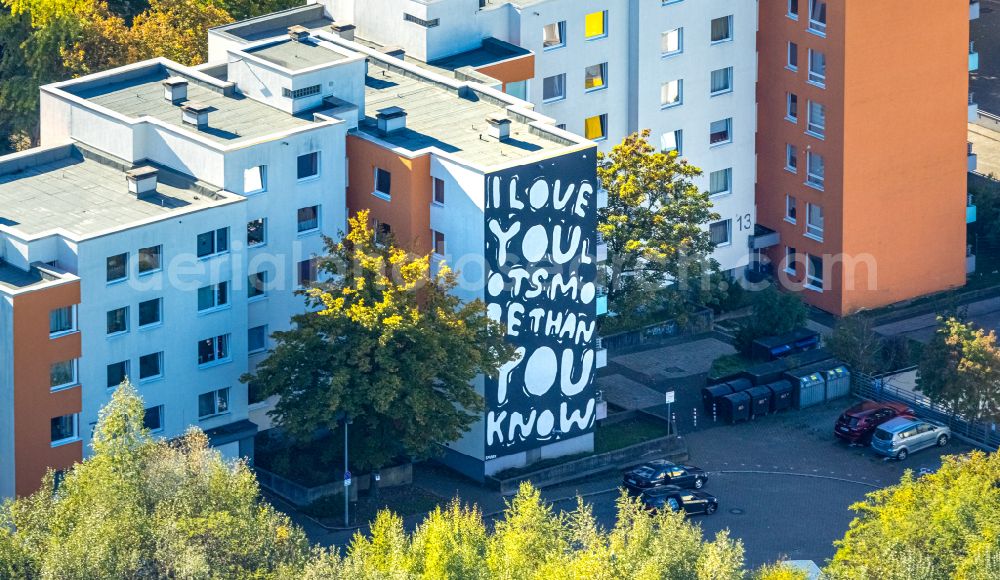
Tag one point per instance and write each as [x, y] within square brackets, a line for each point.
[347, 477]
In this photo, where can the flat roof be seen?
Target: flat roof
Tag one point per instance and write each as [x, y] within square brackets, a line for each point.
[233, 118]
[86, 196]
[437, 116]
[14, 278]
[296, 55]
[275, 24]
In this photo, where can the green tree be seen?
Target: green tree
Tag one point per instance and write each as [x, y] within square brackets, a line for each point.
[144, 508]
[855, 342]
[960, 369]
[391, 346]
[773, 312]
[655, 226]
[940, 526]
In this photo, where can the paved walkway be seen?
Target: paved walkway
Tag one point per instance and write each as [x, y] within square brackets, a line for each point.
[986, 146]
[984, 313]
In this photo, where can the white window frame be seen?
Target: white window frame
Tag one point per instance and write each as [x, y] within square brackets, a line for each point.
[159, 317]
[791, 116]
[603, 69]
[791, 155]
[215, 243]
[790, 260]
[386, 195]
[816, 78]
[160, 360]
[729, 232]
[434, 191]
[319, 167]
[125, 375]
[814, 180]
[680, 42]
[160, 412]
[66, 440]
[107, 272]
[561, 77]
[790, 54]
[312, 230]
[261, 171]
[791, 209]
[811, 279]
[729, 27]
[251, 285]
[812, 127]
[215, 403]
[728, 172]
[128, 321]
[263, 242]
[159, 260]
[561, 30]
[793, 14]
[222, 339]
[74, 379]
[434, 243]
[74, 321]
[216, 306]
[604, 27]
[729, 82]
[729, 132]
[664, 91]
[812, 230]
[262, 348]
[678, 138]
[815, 26]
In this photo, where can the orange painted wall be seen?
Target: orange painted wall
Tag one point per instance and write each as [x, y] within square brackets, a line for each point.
[511, 71]
[34, 404]
[888, 191]
[408, 212]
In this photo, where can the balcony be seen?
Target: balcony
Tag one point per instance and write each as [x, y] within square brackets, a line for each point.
[973, 161]
[602, 248]
[763, 238]
[970, 211]
[602, 302]
[973, 58]
[602, 355]
[973, 9]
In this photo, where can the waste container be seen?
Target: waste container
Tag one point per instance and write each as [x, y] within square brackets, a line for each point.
[808, 386]
[774, 347]
[781, 395]
[711, 395]
[838, 382]
[760, 401]
[768, 372]
[735, 407]
[740, 385]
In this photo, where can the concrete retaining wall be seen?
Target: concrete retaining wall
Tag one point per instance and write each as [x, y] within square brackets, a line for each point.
[301, 495]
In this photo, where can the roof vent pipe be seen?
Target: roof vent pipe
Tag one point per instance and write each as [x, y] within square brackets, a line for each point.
[499, 127]
[175, 90]
[142, 180]
[195, 114]
[343, 30]
[391, 119]
[298, 33]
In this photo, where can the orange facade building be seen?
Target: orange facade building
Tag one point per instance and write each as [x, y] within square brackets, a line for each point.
[861, 136]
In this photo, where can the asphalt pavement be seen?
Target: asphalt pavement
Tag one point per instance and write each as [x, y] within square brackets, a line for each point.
[985, 33]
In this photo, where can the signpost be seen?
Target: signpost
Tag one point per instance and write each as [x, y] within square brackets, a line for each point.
[670, 401]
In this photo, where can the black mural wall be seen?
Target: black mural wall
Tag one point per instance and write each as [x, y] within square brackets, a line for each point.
[541, 224]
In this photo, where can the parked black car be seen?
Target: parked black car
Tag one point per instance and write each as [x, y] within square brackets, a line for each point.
[661, 472]
[674, 498]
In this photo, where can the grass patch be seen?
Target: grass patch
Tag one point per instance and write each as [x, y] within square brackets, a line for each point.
[627, 433]
[729, 364]
[404, 501]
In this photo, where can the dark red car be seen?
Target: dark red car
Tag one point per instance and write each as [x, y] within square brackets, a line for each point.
[857, 424]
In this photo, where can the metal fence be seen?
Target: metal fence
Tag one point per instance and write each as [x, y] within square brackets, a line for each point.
[881, 388]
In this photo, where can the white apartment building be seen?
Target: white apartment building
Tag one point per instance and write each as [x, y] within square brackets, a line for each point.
[684, 69]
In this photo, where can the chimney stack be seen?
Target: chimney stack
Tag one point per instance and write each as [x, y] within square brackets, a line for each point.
[343, 30]
[499, 127]
[175, 90]
[194, 113]
[298, 33]
[391, 119]
[141, 180]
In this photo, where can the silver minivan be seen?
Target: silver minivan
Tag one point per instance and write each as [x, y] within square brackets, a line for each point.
[903, 435]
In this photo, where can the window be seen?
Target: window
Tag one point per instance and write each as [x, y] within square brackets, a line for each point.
[596, 77]
[213, 403]
[595, 25]
[257, 339]
[817, 16]
[554, 35]
[438, 242]
[117, 267]
[793, 9]
[62, 374]
[257, 285]
[150, 312]
[118, 320]
[300, 93]
[792, 107]
[149, 259]
[62, 321]
[791, 158]
[307, 271]
[213, 349]
[722, 80]
[790, 260]
[719, 232]
[671, 93]
[213, 296]
[814, 221]
[793, 56]
[257, 232]
[720, 132]
[117, 373]
[722, 29]
[672, 42]
[554, 88]
[438, 191]
[720, 182]
[382, 232]
[65, 429]
[150, 366]
[596, 128]
[213, 243]
[672, 141]
[815, 170]
[425, 23]
[254, 179]
[814, 272]
[816, 119]
[817, 67]
[308, 219]
[308, 165]
[790, 208]
[152, 419]
[383, 183]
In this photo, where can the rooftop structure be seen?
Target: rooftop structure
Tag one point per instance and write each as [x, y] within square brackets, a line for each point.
[295, 54]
